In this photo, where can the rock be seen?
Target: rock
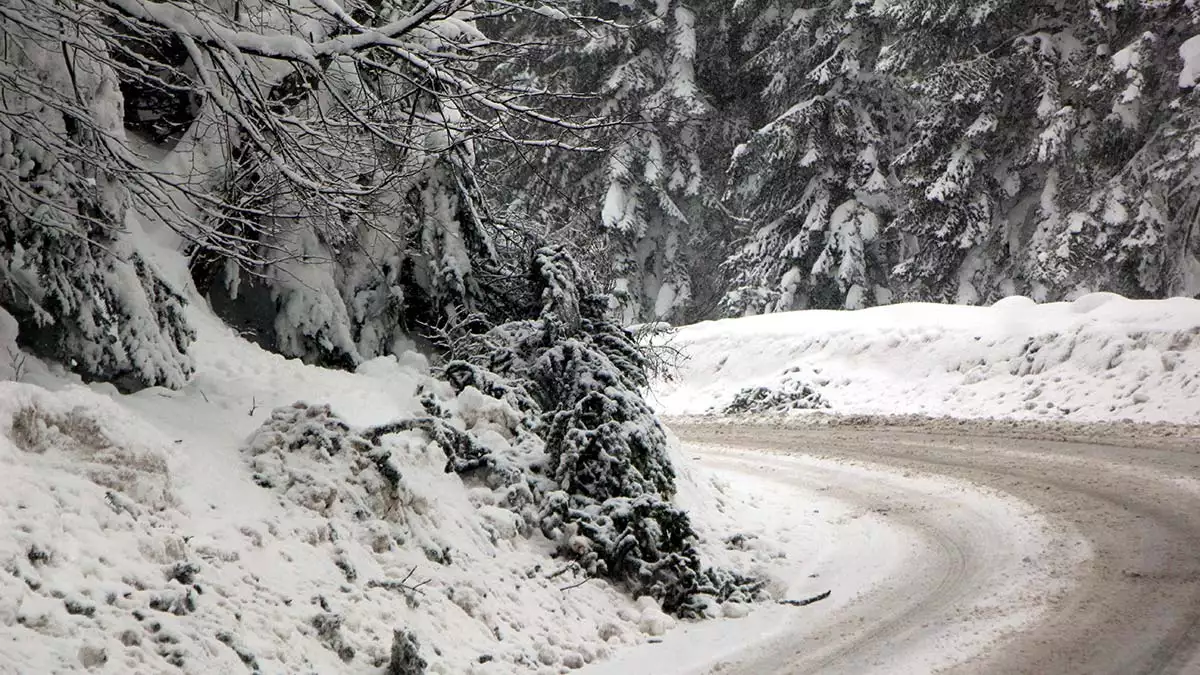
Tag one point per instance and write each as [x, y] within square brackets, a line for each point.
[92, 657]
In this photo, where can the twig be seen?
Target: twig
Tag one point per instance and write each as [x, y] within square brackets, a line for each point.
[401, 585]
[575, 585]
[806, 601]
[564, 570]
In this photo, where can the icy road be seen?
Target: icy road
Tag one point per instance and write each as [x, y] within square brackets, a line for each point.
[996, 548]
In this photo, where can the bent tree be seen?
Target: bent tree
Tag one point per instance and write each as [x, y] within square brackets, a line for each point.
[316, 160]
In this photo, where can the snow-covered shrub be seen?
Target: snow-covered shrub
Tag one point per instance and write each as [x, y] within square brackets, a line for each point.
[605, 491]
[464, 455]
[406, 655]
[790, 395]
[583, 371]
[645, 544]
[317, 460]
[90, 436]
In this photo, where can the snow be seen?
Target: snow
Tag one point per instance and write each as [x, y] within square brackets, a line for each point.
[168, 530]
[1100, 357]
[159, 530]
[615, 210]
[1189, 51]
[803, 526]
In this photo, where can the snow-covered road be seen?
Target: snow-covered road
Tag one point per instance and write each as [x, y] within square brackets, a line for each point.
[993, 549]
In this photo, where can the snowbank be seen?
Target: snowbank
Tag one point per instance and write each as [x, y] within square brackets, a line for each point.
[1101, 357]
[172, 530]
[138, 540]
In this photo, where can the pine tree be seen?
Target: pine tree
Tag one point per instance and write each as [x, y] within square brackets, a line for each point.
[812, 183]
[605, 493]
[650, 196]
[1137, 220]
[1038, 123]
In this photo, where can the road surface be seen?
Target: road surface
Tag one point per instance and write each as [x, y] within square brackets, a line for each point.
[1132, 493]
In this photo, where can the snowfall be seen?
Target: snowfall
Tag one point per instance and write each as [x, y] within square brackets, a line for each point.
[142, 536]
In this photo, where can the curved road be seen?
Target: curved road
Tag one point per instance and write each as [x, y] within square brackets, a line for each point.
[1133, 493]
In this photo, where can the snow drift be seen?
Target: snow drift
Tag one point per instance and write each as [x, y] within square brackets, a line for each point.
[160, 531]
[1101, 357]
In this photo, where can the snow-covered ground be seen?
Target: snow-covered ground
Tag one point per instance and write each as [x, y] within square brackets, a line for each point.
[1101, 357]
[141, 534]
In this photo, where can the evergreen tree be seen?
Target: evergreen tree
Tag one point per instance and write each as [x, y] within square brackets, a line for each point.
[812, 182]
[318, 164]
[396, 244]
[1048, 153]
[649, 192]
[1038, 122]
[606, 496]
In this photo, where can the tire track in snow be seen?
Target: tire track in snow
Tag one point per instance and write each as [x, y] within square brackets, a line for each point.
[1135, 606]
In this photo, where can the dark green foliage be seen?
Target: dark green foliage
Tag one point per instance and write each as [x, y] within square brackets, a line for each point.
[406, 655]
[107, 316]
[647, 545]
[610, 479]
[301, 446]
[603, 440]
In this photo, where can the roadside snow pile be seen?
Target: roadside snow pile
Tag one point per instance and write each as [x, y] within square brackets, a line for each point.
[1101, 357]
[137, 549]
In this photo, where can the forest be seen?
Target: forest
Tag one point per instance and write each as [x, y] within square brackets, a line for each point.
[343, 176]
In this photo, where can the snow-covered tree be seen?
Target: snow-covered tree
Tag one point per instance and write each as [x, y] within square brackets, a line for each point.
[317, 160]
[1029, 169]
[605, 498]
[957, 151]
[373, 224]
[647, 197]
[1137, 218]
[70, 271]
[811, 184]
